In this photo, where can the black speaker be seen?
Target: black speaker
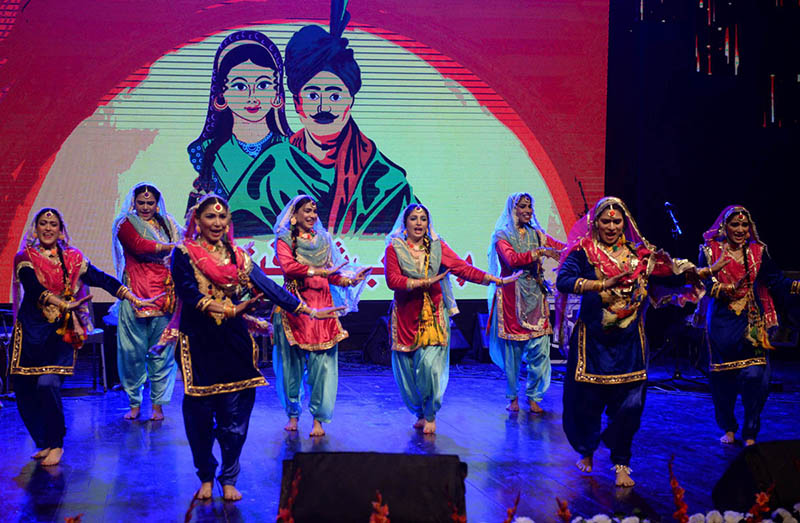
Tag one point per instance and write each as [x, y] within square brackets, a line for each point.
[378, 347]
[757, 468]
[341, 486]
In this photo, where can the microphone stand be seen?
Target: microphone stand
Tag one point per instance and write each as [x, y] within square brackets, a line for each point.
[674, 331]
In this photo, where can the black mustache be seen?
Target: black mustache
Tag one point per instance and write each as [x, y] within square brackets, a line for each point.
[324, 117]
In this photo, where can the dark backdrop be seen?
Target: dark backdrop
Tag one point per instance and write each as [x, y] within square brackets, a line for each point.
[705, 139]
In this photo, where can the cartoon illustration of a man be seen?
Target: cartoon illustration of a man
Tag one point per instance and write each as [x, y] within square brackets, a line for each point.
[364, 191]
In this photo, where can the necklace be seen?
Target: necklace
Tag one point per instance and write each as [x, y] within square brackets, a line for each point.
[253, 149]
[51, 253]
[218, 248]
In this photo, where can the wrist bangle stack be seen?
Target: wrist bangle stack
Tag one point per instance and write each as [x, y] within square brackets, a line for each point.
[229, 310]
[313, 313]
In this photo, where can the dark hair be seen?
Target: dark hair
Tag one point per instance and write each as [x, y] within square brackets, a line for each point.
[426, 240]
[205, 203]
[58, 243]
[218, 126]
[160, 219]
[301, 202]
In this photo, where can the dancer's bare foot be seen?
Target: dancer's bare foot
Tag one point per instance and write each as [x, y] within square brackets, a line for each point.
[158, 413]
[53, 457]
[317, 429]
[624, 478]
[584, 464]
[535, 408]
[420, 423]
[749, 442]
[513, 405]
[133, 413]
[429, 427]
[230, 493]
[41, 454]
[728, 438]
[206, 489]
[292, 425]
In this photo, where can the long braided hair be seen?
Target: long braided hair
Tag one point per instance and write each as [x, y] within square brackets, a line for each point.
[295, 229]
[160, 219]
[426, 239]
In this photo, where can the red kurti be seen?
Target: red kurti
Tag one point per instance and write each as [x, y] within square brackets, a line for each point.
[146, 276]
[510, 262]
[408, 304]
[301, 329]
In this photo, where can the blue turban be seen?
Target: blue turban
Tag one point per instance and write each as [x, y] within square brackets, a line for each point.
[312, 49]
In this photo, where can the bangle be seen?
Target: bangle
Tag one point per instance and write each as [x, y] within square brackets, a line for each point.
[310, 272]
[229, 310]
[313, 313]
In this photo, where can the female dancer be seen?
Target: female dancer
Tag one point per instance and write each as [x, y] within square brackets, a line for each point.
[610, 264]
[51, 308]
[739, 313]
[216, 282]
[143, 234]
[519, 313]
[314, 272]
[416, 265]
[246, 117]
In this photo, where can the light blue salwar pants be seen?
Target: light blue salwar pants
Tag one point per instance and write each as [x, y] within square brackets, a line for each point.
[293, 366]
[422, 377]
[136, 363]
[536, 354]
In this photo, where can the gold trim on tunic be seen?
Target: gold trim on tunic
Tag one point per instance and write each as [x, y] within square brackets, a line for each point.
[501, 329]
[217, 388]
[313, 347]
[16, 353]
[605, 379]
[738, 364]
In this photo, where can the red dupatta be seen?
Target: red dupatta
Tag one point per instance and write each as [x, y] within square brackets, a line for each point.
[65, 283]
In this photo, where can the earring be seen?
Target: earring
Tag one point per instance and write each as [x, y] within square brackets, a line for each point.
[293, 221]
[220, 106]
[405, 233]
[197, 230]
[226, 229]
[277, 102]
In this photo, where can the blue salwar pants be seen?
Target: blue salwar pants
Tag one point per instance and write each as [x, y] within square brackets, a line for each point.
[422, 377]
[224, 417]
[136, 363]
[752, 383]
[293, 366]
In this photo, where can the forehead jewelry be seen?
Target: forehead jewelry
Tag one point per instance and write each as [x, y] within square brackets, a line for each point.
[741, 216]
[146, 193]
[49, 214]
[218, 207]
[612, 213]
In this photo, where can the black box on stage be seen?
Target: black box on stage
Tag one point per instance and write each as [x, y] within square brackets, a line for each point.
[341, 486]
[757, 468]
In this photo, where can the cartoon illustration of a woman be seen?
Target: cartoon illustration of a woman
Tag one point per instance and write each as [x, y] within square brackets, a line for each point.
[246, 116]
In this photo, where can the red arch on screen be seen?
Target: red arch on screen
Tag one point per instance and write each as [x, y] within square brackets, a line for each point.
[41, 118]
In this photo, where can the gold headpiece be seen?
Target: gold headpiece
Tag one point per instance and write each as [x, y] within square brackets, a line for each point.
[49, 214]
[146, 193]
[218, 207]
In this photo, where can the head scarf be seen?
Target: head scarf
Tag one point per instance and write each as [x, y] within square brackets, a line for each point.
[398, 239]
[320, 251]
[77, 322]
[312, 50]
[128, 212]
[718, 230]
[715, 238]
[529, 289]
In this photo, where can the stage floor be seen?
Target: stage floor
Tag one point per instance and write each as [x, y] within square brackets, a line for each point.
[116, 470]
